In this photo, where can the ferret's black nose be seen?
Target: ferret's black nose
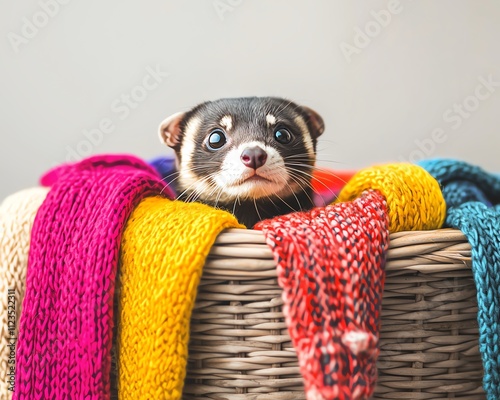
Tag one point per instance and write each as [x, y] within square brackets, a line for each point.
[253, 157]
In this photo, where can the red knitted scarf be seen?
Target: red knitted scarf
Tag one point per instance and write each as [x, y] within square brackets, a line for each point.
[331, 267]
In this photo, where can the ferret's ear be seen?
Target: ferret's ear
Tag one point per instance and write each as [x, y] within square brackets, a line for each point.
[170, 130]
[314, 122]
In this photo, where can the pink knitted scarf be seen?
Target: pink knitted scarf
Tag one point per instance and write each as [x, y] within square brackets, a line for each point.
[66, 325]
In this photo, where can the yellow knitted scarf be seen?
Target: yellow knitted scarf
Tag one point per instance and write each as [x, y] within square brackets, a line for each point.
[164, 247]
[414, 198]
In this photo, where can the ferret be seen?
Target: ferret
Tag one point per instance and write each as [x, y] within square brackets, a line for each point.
[251, 156]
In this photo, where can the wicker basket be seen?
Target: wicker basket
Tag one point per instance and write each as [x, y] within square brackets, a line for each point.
[240, 348]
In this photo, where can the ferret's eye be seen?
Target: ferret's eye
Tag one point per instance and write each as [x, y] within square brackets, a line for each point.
[283, 136]
[216, 140]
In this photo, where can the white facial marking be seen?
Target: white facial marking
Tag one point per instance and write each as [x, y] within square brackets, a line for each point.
[270, 119]
[233, 175]
[306, 135]
[226, 122]
[187, 178]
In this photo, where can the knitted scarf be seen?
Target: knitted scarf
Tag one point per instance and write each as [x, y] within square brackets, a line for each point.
[473, 198]
[17, 213]
[331, 268]
[164, 248]
[67, 318]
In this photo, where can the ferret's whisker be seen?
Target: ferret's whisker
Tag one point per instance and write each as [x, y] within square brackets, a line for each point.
[214, 189]
[284, 202]
[298, 181]
[194, 191]
[284, 174]
[281, 170]
[302, 178]
[271, 200]
[318, 169]
[257, 209]
[295, 196]
[284, 107]
[236, 200]
[211, 185]
[315, 190]
[303, 184]
[170, 175]
[163, 189]
[181, 195]
[337, 163]
[323, 140]
[284, 171]
[305, 157]
[179, 173]
[218, 197]
[329, 161]
[313, 178]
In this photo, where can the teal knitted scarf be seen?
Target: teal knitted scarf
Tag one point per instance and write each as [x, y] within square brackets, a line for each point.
[473, 206]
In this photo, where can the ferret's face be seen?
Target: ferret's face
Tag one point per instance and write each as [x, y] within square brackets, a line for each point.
[246, 148]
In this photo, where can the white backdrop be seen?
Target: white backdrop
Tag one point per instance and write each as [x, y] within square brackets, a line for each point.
[394, 80]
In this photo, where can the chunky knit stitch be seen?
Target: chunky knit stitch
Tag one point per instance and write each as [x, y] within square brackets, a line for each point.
[470, 193]
[414, 199]
[164, 248]
[17, 213]
[331, 268]
[66, 323]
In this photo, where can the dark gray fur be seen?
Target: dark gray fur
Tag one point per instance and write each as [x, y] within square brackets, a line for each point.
[249, 124]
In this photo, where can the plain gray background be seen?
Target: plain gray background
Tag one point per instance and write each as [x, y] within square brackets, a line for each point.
[394, 80]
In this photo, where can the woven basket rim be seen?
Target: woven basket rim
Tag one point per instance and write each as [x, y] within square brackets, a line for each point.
[444, 244]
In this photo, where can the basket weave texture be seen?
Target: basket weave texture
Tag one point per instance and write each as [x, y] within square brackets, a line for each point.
[240, 347]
